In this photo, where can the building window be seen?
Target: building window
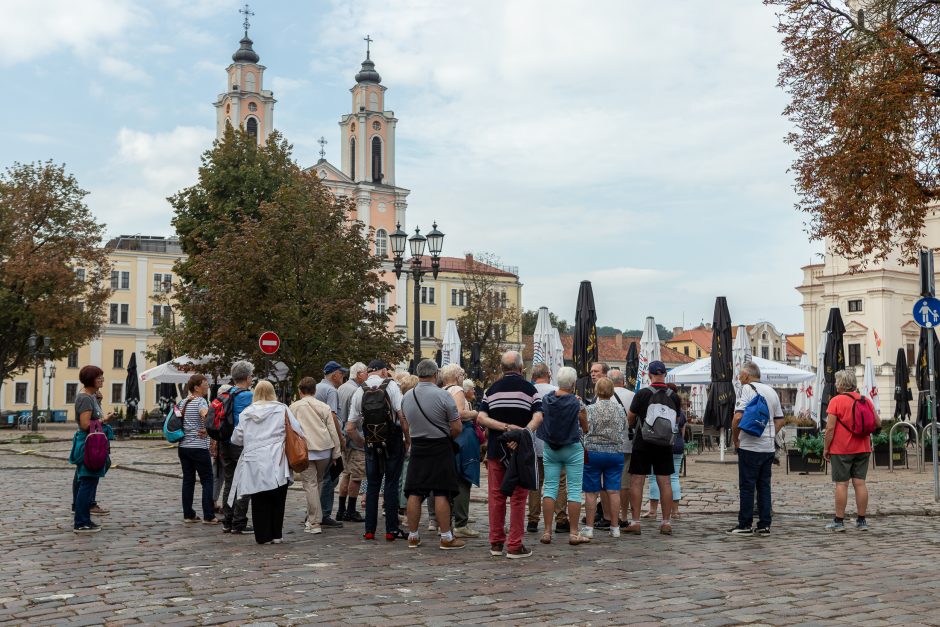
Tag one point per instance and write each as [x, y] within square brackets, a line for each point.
[113, 313]
[427, 328]
[251, 125]
[21, 393]
[765, 352]
[855, 306]
[458, 298]
[120, 280]
[698, 353]
[73, 359]
[117, 392]
[125, 314]
[162, 282]
[252, 107]
[855, 355]
[119, 358]
[427, 295]
[685, 349]
[352, 158]
[71, 391]
[381, 304]
[159, 315]
[910, 353]
[776, 354]
[381, 243]
[119, 313]
[376, 160]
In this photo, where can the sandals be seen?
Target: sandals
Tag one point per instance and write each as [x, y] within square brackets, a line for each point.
[575, 539]
[546, 538]
[649, 515]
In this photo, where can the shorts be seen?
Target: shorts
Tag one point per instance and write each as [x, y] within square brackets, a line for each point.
[625, 475]
[651, 459]
[606, 465]
[851, 466]
[354, 464]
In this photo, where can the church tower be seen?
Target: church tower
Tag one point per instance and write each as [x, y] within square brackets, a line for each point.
[246, 104]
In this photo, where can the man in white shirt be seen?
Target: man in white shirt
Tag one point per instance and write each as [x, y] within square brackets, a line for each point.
[624, 397]
[542, 377]
[755, 453]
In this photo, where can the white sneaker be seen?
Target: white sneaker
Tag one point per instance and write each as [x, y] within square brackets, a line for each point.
[614, 531]
[432, 526]
[312, 529]
[466, 532]
[588, 532]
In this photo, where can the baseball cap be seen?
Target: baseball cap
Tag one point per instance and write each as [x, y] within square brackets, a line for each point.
[657, 367]
[377, 364]
[332, 366]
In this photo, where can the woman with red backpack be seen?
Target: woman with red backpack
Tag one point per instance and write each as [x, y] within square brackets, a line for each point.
[90, 447]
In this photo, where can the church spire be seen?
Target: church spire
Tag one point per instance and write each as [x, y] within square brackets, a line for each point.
[367, 73]
[245, 53]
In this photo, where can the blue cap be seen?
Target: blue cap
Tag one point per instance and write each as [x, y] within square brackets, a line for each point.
[332, 366]
[657, 367]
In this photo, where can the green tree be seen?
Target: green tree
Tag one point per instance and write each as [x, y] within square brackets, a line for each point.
[607, 331]
[53, 269]
[530, 318]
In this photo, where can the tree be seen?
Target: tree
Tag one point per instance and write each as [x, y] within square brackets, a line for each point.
[293, 264]
[607, 331]
[53, 269]
[488, 319]
[865, 90]
[663, 333]
[530, 318]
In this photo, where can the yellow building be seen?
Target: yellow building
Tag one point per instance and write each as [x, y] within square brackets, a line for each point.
[446, 297]
[141, 273]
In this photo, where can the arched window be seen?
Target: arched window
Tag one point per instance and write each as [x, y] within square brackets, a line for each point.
[249, 82]
[376, 160]
[252, 107]
[352, 158]
[381, 243]
[373, 102]
[251, 125]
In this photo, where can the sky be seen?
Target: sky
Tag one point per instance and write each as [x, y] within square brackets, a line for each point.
[638, 145]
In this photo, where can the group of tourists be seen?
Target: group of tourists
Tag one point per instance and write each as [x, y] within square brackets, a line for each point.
[411, 439]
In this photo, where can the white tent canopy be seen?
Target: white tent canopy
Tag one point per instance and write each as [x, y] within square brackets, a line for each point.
[180, 369]
[772, 373]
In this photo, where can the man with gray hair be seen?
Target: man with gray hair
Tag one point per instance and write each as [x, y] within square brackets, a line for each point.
[354, 456]
[755, 452]
[235, 517]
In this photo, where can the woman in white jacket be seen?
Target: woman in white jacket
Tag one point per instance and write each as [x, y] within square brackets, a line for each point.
[263, 471]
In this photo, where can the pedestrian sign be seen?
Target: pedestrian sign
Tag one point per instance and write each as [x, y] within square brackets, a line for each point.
[927, 312]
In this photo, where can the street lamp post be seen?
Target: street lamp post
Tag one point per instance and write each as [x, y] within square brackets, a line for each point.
[37, 350]
[417, 242]
[48, 373]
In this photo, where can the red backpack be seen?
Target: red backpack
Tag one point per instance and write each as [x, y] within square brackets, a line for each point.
[863, 421]
[97, 447]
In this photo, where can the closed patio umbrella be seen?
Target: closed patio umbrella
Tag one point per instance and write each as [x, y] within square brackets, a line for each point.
[816, 391]
[721, 398]
[450, 344]
[584, 351]
[741, 350]
[557, 354]
[902, 387]
[632, 367]
[542, 339]
[835, 355]
[649, 351]
[132, 388]
[801, 408]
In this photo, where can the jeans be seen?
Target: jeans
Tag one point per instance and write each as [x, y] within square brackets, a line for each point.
[569, 458]
[218, 477]
[267, 513]
[236, 517]
[561, 503]
[392, 462]
[495, 471]
[754, 471]
[193, 461]
[87, 486]
[75, 484]
[673, 479]
[327, 494]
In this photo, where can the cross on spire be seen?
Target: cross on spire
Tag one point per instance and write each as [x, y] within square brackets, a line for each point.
[368, 41]
[322, 141]
[246, 12]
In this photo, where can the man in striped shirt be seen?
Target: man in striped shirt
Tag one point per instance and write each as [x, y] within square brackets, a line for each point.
[510, 403]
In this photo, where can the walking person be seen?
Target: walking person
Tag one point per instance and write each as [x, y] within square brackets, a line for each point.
[316, 420]
[434, 423]
[235, 514]
[88, 412]
[263, 471]
[541, 378]
[848, 453]
[468, 455]
[624, 398]
[510, 403]
[564, 419]
[215, 453]
[603, 444]
[328, 392]
[354, 457]
[678, 453]
[193, 451]
[755, 454]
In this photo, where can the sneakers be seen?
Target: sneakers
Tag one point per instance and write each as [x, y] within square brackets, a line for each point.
[519, 553]
[665, 528]
[329, 522]
[368, 536]
[466, 532]
[587, 532]
[415, 542]
[89, 528]
[738, 530]
[623, 524]
[241, 532]
[762, 532]
[603, 523]
[861, 524]
[633, 529]
[192, 520]
[226, 528]
[836, 525]
[449, 545]
[308, 528]
[353, 516]
[432, 526]
[97, 510]
[496, 549]
[563, 527]
[614, 531]
[277, 541]
[532, 527]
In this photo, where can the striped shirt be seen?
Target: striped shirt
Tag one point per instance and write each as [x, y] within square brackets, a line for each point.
[512, 400]
[192, 423]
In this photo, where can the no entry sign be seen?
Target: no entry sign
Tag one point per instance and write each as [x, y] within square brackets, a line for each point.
[269, 342]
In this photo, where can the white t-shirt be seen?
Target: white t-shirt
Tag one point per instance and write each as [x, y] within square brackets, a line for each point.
[394, 395]
[764, 443]
[626, 397]
[544, 389]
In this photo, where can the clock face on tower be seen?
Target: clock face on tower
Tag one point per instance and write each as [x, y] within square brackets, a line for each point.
[377, 126]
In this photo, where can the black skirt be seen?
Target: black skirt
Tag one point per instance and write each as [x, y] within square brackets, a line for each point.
[431, 468]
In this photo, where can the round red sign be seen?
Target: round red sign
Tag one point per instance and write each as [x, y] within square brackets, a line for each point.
[269, 342]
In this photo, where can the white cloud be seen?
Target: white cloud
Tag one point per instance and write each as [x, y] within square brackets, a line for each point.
[283, 85]
[122, 70]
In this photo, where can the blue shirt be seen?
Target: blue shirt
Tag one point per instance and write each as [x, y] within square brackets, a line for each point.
[242, 400]
[327, 394]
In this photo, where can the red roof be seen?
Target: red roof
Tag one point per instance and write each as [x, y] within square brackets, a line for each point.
[700, 336]
[610, 348]
[793, 350]
[464, 264]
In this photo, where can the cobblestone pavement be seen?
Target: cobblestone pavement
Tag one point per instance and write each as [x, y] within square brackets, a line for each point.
[148, 567]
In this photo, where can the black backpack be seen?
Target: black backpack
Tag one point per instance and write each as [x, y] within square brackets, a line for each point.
[378, 425]
[227, 424]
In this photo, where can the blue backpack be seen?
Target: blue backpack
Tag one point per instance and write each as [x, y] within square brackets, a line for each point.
[173, 425]
[756, 415]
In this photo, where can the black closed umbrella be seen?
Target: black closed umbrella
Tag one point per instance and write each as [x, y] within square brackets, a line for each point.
[166, 392]
[475, 371]
[923, 373]
[438, 357]
[132, 387]
[902, 387]
[834, 359]
[584, 350]
[719, 409]
[632, 367]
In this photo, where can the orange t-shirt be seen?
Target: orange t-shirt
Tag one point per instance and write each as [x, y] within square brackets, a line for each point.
[844, 442]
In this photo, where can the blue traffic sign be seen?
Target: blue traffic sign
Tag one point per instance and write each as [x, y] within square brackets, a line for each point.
[927, 312]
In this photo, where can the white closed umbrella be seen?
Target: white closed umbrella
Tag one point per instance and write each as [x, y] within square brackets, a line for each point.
[450, 344]
[698, 398]
[542, 339]
[816, 391]
[802, 406]
[649, 351]
[869, 386]
[740, 355]
[557, 353]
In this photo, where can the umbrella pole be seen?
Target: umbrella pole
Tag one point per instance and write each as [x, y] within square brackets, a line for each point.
[721, 446]
[932, 413]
